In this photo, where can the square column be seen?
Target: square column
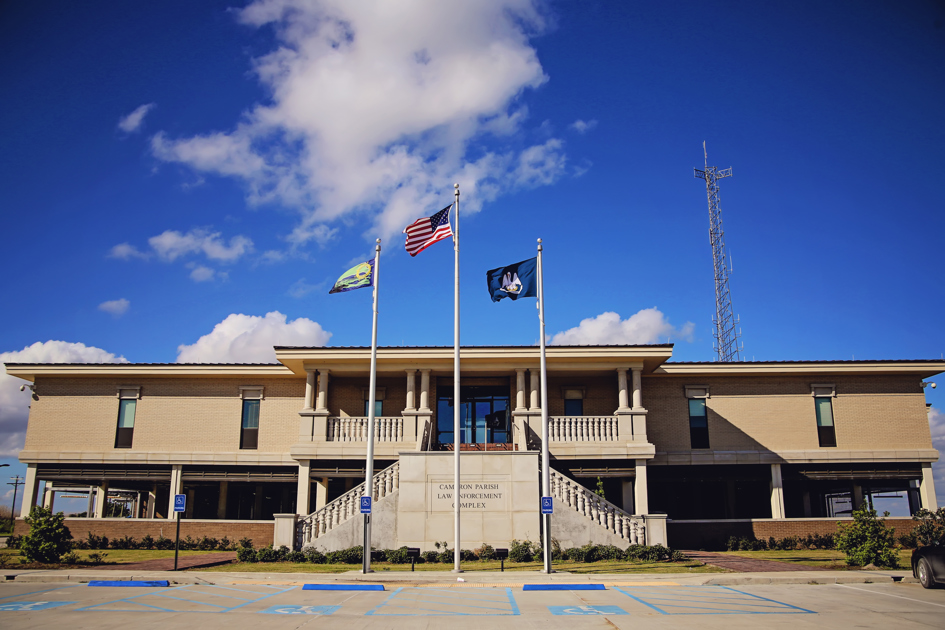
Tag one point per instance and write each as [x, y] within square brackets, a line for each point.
[221, 500]
[304, 495]
[777, 492]
[101, 500]
[152, 501]
[321, 493]
[29, 491]
[49, 496]
[177, 484]
[927, 489]
[640, 496]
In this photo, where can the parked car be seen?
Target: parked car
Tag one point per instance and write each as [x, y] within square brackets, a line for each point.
[928, 565]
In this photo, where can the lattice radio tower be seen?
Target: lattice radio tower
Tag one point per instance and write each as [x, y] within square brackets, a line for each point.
[726, 336]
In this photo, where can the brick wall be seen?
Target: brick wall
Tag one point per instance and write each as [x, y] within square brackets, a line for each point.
[714, 535]
[777, 412]
[260, 532]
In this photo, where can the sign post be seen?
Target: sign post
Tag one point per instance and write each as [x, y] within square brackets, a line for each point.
[180, 504]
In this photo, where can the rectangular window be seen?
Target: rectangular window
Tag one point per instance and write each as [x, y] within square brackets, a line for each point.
[378, 408]
[249, 431]
[126, 422]
[573, 407]
[698, 423]
[825, 428]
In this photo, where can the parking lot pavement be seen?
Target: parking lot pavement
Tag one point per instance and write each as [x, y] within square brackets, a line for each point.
[631, 604]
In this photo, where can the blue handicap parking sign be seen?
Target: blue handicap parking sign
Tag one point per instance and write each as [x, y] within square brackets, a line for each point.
[365, 505]
[300, 610]
[547, 505]
[180, 502]
[587, 610]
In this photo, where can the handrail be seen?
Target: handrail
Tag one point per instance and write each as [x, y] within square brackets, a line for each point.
[598, 509]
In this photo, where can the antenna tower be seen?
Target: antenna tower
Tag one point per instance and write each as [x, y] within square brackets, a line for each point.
[726, 337]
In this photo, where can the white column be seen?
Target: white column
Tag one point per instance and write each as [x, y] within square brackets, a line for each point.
[322, 402]
[29, 491]
[152, 500]
[520, 389]
[101, 500]
[321, 493]
[177, 484]
[304, 496]
[48, 495]
[424, 390]
[623, 402]
[637, 388]
[309, 389]
[411, 390]
[927, 489]
[534, 405]
[777, 492]
[640, 496]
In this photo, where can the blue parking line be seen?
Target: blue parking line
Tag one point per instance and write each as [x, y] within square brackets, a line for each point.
[391, 602]
[184, 599]
[712, 604]
[770, 600]
[185, 589]
[285, 590]
[645, 603]
[45, 590]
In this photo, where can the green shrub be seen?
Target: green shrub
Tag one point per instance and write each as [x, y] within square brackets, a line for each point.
[909, 540]
[163, 543]
[188, 543]
[147, 542]
[267, 554]
[246, 554]
[930, 527]
[246, 543]
[430, 556]
[396, 556]
[867, 540]
[207, 544]
[96, 542]
[296, 556]
[313, 555]
[732, 544]
[96, 558]
[609, 552]
[485, 552]
[48, 538]
[13, 542]
[224, 544]
[521, 551]
[70, 558]
[125, 542]
[577, 554]
[351, 555]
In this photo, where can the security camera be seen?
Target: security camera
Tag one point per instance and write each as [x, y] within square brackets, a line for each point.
[928, 384]
[23, 388]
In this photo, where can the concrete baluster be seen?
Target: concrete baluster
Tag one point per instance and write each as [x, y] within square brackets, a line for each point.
[610, 520]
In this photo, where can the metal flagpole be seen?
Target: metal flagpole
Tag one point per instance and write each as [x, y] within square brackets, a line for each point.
[545, 457]
[456, 404]
[369, 463]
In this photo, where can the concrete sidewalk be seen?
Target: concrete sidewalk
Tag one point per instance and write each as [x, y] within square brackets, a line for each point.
[470, 579]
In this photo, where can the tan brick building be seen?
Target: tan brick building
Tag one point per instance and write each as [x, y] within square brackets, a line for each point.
[719, 448]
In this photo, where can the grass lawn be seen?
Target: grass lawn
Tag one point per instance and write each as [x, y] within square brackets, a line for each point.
[11, 557]
[612, 566]
[821, 558]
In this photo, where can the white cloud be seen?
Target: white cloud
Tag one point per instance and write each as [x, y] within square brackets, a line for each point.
[583, 126]
[171, 244]
[937, 427]
[125, 251]
[132, 122]
[115, 307]
[378, 106]
[14, 404]
[249, 339]
[646, 326]
[202, 274]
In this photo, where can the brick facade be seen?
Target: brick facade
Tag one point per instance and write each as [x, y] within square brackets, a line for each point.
[260, 532]
[713, 535]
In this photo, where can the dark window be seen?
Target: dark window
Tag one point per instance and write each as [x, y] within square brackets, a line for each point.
[825, 430]
[249, 432]
[378, 408]
[573, 407]
[126, 423]
[698, 423]
[484, 416]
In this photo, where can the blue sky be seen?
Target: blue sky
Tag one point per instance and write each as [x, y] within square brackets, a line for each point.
[173, 172]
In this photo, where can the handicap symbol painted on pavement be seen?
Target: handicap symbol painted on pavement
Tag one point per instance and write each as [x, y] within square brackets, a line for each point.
[27, 606]
[300, 610]
[587, 610]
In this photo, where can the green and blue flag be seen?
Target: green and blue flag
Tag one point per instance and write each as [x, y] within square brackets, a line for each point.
[359, 276]
[514, 281]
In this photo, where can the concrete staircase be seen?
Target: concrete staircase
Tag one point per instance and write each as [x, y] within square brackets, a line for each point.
[582, 517]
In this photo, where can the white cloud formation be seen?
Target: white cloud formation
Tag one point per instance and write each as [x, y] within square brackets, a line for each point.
[132, 122]
[171, 245]
[14, 404]
[126, 251]
[300, 288]
[202, 274]
[249, 339]
[583, 126]
[382, 105]
[115, 307]
[937, 427]
[646, 326]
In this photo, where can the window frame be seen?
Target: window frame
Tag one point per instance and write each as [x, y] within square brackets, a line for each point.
[698, 424]
[251, 396]
[124, 435]
[823, 395]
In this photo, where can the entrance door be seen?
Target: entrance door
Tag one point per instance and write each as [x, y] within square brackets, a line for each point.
[483, 416]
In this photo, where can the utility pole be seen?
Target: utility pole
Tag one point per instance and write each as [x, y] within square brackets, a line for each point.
[16, 483]
[726, 337]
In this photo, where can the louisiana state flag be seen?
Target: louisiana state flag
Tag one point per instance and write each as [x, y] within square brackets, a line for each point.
[514, 281]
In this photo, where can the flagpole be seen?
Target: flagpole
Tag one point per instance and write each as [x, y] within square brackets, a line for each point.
[369, 462]
[456, 403]
[545, 457]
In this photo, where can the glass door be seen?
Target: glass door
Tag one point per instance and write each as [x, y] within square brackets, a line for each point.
[483, 416]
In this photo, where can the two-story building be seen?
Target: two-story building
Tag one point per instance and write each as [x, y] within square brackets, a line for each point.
[642, 448]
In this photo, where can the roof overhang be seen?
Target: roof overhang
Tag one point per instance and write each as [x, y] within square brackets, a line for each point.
[921, 369]
[29, 371]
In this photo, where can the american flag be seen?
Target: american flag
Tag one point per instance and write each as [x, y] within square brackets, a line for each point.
[424, 232]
